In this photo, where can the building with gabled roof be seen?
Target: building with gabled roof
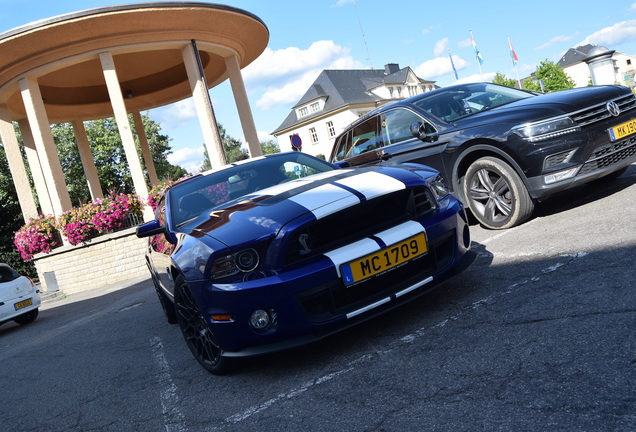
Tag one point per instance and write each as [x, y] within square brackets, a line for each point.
[338, 97]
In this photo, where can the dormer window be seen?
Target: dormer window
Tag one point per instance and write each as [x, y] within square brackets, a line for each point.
[303, 111]
[314, 107]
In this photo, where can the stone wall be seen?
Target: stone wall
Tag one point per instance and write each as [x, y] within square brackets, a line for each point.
[104, 260]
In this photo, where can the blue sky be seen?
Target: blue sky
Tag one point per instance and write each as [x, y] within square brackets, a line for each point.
[309, 36]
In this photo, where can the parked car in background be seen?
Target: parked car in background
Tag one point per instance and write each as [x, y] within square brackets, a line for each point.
[285, 249]
[501, 149]
[19, 297]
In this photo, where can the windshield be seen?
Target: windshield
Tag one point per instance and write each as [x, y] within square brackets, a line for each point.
[459, 101]
[214, 189]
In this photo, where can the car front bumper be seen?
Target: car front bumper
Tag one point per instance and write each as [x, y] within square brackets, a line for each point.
[311, 301]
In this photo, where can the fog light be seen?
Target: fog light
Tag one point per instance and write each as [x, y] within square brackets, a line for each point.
[561, 175]
[260, 319]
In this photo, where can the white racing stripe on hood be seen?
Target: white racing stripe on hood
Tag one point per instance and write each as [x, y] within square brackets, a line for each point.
[367, 246]
[372, 184]
[400, 232]
[325, 200]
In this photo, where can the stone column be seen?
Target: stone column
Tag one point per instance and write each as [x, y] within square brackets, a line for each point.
[16, 165]
[203, 105]
[45, 146]
[145, 149]
[88, 163]
[125, 131]
[243, 106]
[41, 189]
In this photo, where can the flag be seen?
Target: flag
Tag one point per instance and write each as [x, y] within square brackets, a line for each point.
[453, 65]
[477, 53]
[513, 54]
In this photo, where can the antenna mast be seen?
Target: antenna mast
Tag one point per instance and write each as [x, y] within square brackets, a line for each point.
[364, 39]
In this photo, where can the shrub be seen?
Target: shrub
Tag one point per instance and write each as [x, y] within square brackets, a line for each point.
[78, 225]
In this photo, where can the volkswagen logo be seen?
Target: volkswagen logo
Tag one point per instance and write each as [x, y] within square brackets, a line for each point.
[612, 108]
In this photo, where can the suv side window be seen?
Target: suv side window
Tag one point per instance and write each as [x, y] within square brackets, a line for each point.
[366, 136]
[396, 125]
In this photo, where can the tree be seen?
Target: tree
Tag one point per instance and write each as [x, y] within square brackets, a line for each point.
[502, 80]
[553, 77]
[109, 156]
[10, 220]
[269, 147]
[231, 146]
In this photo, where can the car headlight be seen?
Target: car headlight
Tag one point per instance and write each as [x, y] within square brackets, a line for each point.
[439, 187]
[244, 261]
[546, 129]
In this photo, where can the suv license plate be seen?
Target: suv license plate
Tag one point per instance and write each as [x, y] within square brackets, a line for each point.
[622, 130]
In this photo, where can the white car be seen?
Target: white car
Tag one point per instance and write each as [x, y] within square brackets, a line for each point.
[19, 297]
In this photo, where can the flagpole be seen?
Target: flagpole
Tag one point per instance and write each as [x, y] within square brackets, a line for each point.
[453, 65]
[513, 55]
[477, 54]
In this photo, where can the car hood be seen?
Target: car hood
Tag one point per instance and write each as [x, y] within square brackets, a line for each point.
[545, 106]
[261, 215]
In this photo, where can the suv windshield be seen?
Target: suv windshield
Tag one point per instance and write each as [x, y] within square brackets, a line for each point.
[455, 102]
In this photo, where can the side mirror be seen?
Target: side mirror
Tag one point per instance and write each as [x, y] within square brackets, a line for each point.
[418, 130]
[149, 229]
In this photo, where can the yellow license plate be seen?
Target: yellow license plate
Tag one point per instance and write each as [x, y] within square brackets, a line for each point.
[22, 304]
[622, 130]
[384, 260]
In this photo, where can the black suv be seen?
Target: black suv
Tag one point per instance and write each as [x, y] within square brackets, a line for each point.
[501, 149]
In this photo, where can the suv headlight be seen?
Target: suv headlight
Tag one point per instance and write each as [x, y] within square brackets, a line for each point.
[439, 187]
[546, 129]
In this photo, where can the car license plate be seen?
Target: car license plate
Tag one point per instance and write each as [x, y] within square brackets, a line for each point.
[384, 260]
[22, 304]
[622, 130]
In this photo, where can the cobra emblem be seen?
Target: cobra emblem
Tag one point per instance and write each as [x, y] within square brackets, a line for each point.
[305, 242]
[613, 109]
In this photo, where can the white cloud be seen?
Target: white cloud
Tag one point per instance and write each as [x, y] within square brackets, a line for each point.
[441, 46]
[614, 35]
[465, 43]
[554, 40]
[286, 74]
[189, 158]
[272, 65]
[486, 77]
[176, 114]
[439, 66]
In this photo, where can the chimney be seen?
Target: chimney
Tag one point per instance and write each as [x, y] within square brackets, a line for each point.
[391, 68]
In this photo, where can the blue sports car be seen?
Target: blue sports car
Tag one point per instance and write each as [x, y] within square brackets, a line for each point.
[282, 250]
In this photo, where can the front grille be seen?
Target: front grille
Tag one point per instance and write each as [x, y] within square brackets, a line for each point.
[599, 112]
[357, 222]
[334, 299]
[610, 154]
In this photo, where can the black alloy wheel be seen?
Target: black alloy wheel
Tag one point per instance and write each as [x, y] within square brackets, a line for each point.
[496, 194]
[196, 332]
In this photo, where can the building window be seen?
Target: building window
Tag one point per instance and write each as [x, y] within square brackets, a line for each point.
[314, 135]
[391, 91]
[629, 61]
[399, 89]
[303, 111]
[412, 90]
[314, 107]
[330, 129]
